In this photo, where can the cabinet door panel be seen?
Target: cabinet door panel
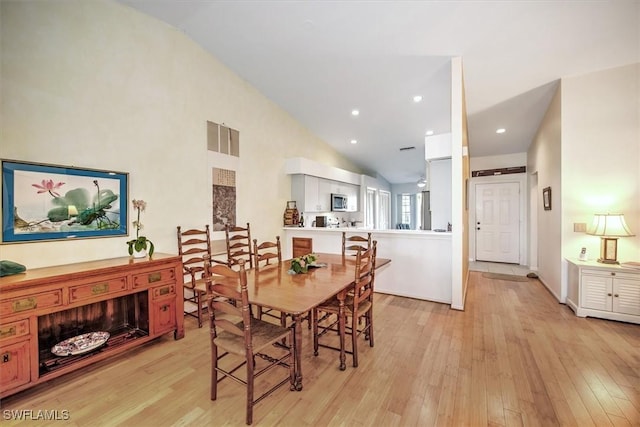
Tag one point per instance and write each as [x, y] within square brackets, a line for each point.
[164, 316]
[596, 292]
[14, 365]
[626, 296]
[324, 195]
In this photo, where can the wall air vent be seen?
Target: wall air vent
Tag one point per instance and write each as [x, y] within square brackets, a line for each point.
[407, 148]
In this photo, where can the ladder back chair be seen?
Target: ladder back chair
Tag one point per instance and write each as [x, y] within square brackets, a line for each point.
[301, 246]
[238, 339]
[265, 254]
[193, 246]
[351, 244]
[358, 306]
[238, 245]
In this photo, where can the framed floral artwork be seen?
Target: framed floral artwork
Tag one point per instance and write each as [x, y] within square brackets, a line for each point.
[49, 202]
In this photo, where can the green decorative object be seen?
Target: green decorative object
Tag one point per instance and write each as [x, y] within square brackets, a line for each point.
[140, 244]
[7, 268]
[301, 264]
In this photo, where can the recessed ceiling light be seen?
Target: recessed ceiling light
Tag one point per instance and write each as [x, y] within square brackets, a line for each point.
[354, 141]
[501, 130]
[355, 112]
[429, 132]
[417, 98]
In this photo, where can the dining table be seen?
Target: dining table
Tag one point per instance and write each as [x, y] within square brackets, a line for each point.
[275, 287]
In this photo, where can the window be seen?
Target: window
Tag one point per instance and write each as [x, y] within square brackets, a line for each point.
[370, 208]
[405, 208]
[384, 210]
[418, 210]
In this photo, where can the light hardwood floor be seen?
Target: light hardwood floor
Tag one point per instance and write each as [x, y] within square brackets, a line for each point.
[514, 357]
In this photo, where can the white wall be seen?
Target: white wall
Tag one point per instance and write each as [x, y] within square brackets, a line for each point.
[99, 85]
[459, 175]
[544, 161]
[440, 188]
[587, 150]
[601, 156]
[496, 162]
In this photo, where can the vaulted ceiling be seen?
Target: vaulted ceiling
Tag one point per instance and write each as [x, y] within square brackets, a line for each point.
[319, 60]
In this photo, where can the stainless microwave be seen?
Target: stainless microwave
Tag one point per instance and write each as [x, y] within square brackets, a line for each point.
[338, 202]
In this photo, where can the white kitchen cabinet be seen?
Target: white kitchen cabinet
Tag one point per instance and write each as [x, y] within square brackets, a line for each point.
[313, 194]
[349, 190]
[605, 291]
[325, 188]
[353, 193]
[304, 190]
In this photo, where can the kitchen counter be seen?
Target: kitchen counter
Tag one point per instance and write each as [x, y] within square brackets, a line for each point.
[370, 230]
[420, 260]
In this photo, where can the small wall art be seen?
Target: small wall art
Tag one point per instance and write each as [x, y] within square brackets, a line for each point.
[546, 198]
[224, 198]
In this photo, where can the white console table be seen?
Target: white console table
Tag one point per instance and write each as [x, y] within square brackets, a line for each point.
[601, 290]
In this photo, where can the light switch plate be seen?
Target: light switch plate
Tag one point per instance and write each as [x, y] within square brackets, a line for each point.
[580, 227]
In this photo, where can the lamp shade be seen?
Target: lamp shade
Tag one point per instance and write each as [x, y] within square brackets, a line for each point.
[610, 225]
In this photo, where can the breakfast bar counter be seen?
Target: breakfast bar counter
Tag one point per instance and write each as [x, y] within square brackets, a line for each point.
[421, 266]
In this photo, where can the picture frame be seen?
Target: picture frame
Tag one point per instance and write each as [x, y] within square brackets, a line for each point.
[49, 202]
[546, 198]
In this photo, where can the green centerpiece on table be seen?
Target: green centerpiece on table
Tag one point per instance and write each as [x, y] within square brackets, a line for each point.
[301, 264]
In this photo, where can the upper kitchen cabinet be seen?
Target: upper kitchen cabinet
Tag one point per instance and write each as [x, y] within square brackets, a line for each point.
[313, 194]
[312, 184]
[305, 190]
[328, 187]
[352, 192]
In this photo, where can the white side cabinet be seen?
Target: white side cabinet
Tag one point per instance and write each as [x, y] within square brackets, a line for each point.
[605, 291]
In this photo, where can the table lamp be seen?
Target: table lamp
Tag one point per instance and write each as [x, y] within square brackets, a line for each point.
[609, 227]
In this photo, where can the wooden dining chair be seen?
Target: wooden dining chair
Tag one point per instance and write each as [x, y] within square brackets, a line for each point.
[358, 306]
[238, 245]
[265, 254]
[301, 246]
[238, 339]
[351, 244]
[193, 246]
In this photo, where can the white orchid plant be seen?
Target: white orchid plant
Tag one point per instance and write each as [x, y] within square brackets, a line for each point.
[140, 242]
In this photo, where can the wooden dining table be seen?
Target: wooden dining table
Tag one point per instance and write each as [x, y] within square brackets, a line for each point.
[273, 287]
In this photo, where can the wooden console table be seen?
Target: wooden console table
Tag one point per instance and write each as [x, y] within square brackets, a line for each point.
[135, 300]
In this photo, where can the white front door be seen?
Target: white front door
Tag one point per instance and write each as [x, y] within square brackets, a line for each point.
[498, 222]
